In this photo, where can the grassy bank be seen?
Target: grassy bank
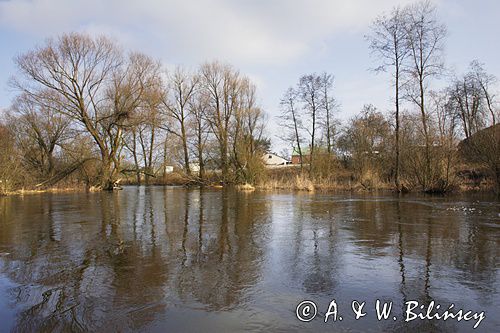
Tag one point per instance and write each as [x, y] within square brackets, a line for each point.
[289, 179]
[467, 179]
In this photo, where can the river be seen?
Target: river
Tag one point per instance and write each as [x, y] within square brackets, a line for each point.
[168, 259]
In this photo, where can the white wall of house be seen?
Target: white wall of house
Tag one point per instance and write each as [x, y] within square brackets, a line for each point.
[272, 159]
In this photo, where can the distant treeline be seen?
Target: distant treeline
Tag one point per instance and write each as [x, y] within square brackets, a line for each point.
[89, 113]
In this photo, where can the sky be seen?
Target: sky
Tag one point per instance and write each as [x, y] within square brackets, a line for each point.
[273, 42]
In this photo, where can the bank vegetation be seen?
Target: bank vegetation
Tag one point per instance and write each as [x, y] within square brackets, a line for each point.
[89, 115]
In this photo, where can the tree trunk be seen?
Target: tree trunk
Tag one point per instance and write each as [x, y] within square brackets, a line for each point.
[224, 161]
[297, 138]
[136, 161]
[201, 172]
[427, 172]
[311, 153]
[165, 160]
[185, 149]
[396, 180]
[149, 169]
[107, 183]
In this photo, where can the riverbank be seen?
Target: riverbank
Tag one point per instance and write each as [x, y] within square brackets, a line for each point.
[294, 179]
[287, 179]
[25, 191]
[466, 179]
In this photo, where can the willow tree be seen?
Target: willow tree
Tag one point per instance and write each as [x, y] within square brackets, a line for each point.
[247, 127]
[221, 84]
[78, 70]
[365, 139]
[181, 88]
[142, 80]
[93, 84]
[199, 105]
[11, 172]
[39, 130]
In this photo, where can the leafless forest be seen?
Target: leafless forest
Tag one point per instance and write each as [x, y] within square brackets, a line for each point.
[87, 113]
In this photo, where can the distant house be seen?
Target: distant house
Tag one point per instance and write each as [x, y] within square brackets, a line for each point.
[273, 160]
[296, 155]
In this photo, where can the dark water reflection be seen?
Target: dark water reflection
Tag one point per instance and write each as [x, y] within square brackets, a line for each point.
[169, 259]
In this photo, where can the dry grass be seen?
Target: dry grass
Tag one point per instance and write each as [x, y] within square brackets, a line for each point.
[370, 180]
[303, 183]
[245, 187]
[47, 190]
[340, 180]
[298, 182]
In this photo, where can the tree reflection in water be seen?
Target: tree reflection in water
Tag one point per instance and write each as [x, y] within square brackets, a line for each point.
[157, 258]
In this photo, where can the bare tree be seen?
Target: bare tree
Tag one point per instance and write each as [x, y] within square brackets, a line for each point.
[181, 88]
[466, 102]
[77, 69]
[388, 41]
[365, 140]
[309, 90]
[119, 102]
[136, 91]
[199, 107]
[328, 104]
[222, 85]
[472, 101]
[130, 143]
[11, 171]
[444, 155]
[40, 129]
[291, 121]
[247, 131]
[486, 81]
[425, 39]
[146, 96]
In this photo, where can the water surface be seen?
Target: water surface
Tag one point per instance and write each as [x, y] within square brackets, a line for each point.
[166, 259]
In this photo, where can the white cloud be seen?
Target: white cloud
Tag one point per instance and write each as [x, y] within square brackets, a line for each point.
[265, 32]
